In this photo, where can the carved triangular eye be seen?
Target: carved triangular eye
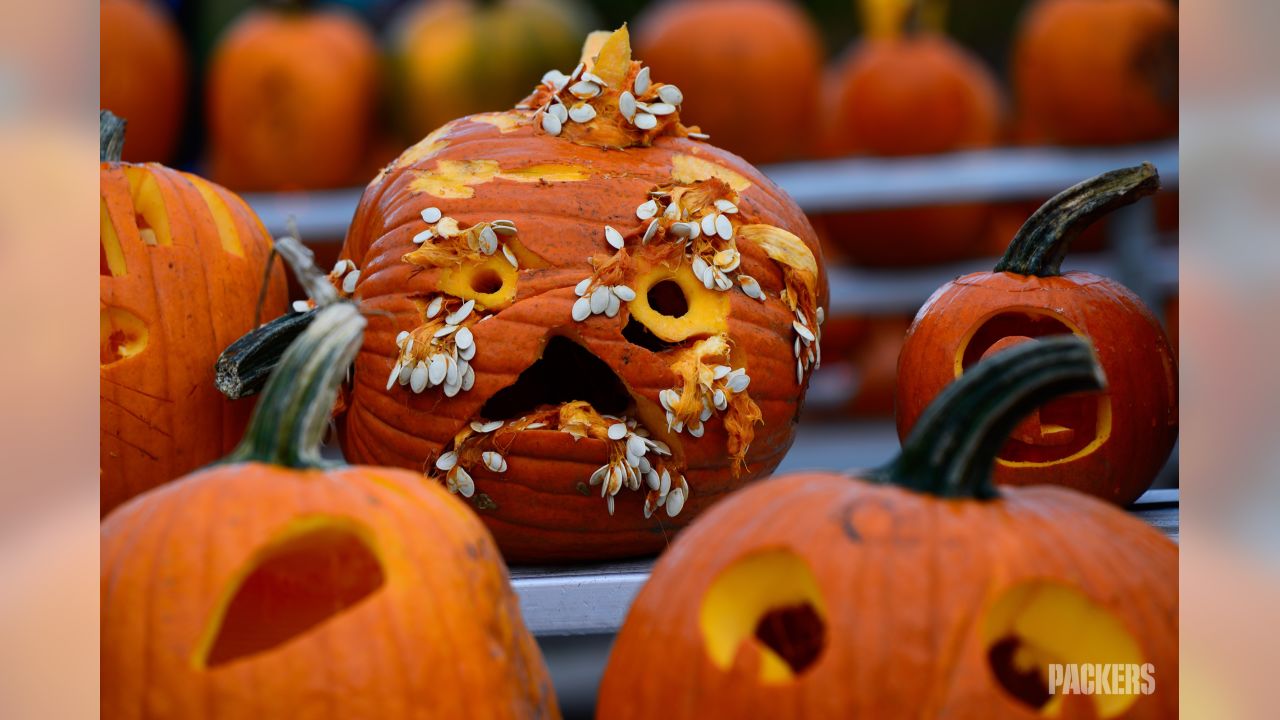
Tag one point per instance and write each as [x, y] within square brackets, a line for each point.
[317, 569]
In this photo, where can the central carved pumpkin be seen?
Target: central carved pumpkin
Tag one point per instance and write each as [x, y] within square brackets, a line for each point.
[583, 317]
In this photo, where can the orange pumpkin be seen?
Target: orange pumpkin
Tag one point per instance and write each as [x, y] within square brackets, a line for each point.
[1097, 72]
[570, 299]
[291, 97]
[914, 590]
[182, 263]
[143, 76]
[1111, 445]
[901, 93]
[457, 57]
[279, 584]
[751, 70]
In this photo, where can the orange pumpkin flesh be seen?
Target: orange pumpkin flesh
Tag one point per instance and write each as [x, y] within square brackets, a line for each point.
[496, 213]
[1110, 445]
[143, 77]
[182, 263]
[1097, 72]
[916, 590]
[278, 585]
[751, 70]
[291, 96]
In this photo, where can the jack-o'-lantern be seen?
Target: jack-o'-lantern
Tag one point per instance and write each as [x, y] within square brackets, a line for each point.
[183, 262]
[1108, 444]
[903, 91]
[281, 584]
[914, 590]
[568, 302]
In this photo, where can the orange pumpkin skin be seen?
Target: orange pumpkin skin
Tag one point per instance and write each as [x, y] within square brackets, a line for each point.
[913, 95]
[1110, 445]
[143, 77]
[167, 310]
[291, 97]
[751, 70]
[560, 195]
[1098, 72]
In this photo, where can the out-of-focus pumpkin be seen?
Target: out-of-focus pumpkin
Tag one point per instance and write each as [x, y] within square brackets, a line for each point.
[1097, 72]
[1110, 444]
[751, 70]
[905, 91]
[143, 76]
[914, 590]
[459, 57]
[280, 584]
[182, 263]
[570, 299]
[292, 93]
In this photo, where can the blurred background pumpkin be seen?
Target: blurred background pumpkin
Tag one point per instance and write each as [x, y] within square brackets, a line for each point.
[143, 75]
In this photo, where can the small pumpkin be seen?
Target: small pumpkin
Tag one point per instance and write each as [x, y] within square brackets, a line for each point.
[569, 301]
[1097, 72]
[913, 590]
[752, 70]
[291, 95]
[1111, 445]
[281, 584]
[903, 91]
[143, 75]
[183, 263]
[458, 57]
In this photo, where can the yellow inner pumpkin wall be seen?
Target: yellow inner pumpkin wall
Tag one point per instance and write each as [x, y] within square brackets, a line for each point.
[708, 311]
[744, 593]
[492, 283]
[121, 335]
[221, 216]
[112, 253]
[1055, 623]
[148, 204]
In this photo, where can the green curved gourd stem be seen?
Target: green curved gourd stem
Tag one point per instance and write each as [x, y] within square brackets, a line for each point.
[110, 136]
[952, 449]
[289, 421]
[1043, 240]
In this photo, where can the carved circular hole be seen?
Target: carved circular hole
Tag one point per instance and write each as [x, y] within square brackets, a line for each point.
[668, 299]
[796, 633]
[486, 281]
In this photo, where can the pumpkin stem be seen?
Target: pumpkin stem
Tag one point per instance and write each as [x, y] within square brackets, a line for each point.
[289, 422]
[952, 449]
[110, 136]
[1042, 241]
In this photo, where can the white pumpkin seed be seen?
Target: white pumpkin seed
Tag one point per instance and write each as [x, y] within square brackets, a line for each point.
[464, 339]
[724, 228]
[560, 111]
[437, 369]
[581, 113]
[418, 380]
[738, 382]
[611, 310]
[675, 502]
[725, 206]
[457, 316]
[650, 231]
[642, 81]
[661, 108]
[709, 224]
[613, 237]
[624, 293]
[617, 431]
[349, 282]
[581, 288]
[627, 104]
[423, 236]
[600, 299]
[670, 94]
[805, 333]
[447, 461]
[550, 124]
[494, 461]
[584, 89]
[581, 309]
[432, 215]
[647, 209]
[645, 121]
[511, 257]
[433, 307]
[395, 375]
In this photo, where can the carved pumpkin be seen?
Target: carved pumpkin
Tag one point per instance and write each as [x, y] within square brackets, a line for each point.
[458, 57]
[914, 590]
[1097, 72]
[182, 263]
[144, 76]
[902, 92]
[751, 70]
[1110, 444]
[569, 300]
[279, 584]
[291, 97]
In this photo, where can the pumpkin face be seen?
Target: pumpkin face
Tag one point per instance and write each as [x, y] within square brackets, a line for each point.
[723, 54]
[1093, 72]
[563, 310]
[897, 95]
[266, 587]
[182, 264]
[291, 99]
[143, 76]
[1112, 444]
[897, 594]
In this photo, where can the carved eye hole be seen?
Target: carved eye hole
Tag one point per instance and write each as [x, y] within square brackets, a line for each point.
[668, 299]
[121, 335]
[314, 572]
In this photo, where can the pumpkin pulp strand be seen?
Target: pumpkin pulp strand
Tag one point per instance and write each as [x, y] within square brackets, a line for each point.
[1043, 240]
[953, 447]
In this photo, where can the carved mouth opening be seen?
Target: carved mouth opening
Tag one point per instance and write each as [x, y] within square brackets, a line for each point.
[636, 333]
[565, 372]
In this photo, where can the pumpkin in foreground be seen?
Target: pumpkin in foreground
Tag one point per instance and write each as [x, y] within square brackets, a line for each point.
[182, 265]
[584, 318]
[277, 584]
[1109, 444]
[915, 590]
